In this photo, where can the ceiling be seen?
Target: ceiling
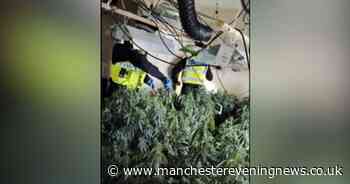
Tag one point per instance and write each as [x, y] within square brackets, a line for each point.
[226, 8]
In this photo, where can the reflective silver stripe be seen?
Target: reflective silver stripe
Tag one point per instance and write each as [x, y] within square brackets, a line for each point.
[192, 80]
[200, 71]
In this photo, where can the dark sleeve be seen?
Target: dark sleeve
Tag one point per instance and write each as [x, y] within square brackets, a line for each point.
[140, 61]
[125, 52]
[177, 69]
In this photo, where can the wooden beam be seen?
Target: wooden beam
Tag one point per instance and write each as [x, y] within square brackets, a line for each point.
[128, 14]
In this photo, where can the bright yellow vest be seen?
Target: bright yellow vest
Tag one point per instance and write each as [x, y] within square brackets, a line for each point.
[133, 79]
[194, 75]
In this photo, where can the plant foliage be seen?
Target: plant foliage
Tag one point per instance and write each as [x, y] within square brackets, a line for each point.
[144, 131]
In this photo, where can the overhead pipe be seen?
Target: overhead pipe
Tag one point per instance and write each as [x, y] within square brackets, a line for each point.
[190, 23]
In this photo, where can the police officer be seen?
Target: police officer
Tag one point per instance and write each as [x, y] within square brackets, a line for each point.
[131, 78]
[126, 52]
[193, 76]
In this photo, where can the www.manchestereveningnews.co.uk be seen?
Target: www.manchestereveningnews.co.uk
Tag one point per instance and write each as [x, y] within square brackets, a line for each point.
[270, 172]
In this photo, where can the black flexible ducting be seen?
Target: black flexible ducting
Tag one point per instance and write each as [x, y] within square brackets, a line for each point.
[190, 23]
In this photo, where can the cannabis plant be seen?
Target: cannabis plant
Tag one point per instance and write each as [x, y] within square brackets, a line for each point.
[200, 130]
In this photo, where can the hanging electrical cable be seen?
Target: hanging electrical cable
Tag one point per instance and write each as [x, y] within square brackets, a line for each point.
[163, 42]
[159, 20]
[246, 50]
[160, 59]
[139, 47]
[166, 24]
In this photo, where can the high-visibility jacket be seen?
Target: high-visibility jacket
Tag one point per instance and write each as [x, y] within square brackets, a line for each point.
[131, 78]
[194, 74]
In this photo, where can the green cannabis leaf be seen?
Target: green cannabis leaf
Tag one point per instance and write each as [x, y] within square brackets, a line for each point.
[139, 130]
